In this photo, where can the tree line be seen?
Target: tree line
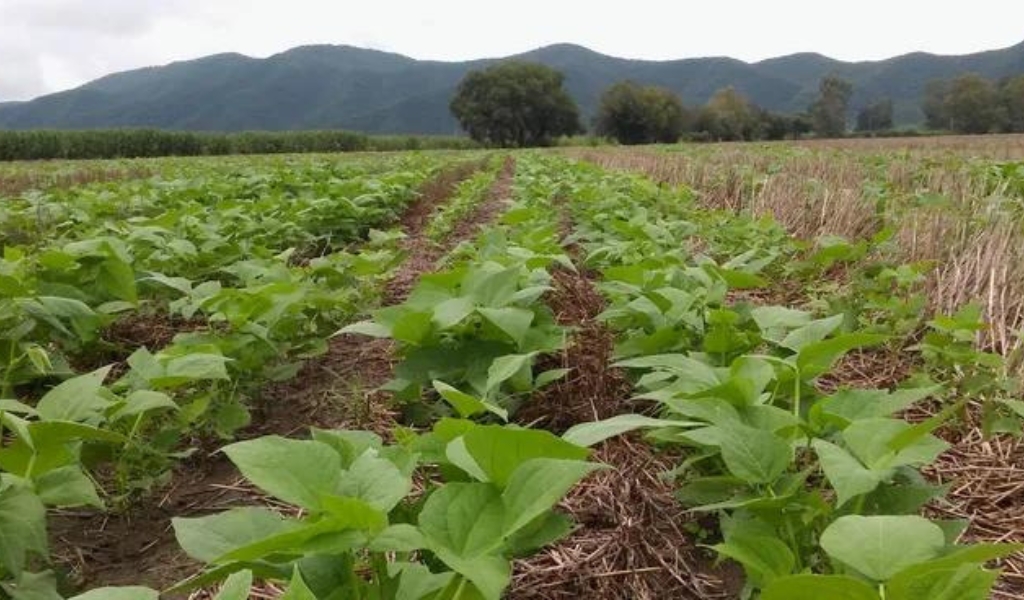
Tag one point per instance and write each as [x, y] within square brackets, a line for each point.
[523, 104]
[140, 143]
[971, 103]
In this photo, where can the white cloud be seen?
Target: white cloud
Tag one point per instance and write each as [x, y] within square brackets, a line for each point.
[48, 45]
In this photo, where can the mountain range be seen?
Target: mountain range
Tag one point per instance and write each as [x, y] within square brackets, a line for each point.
[343, 87]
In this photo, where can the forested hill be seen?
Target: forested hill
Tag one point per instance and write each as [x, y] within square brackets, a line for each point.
[328, 87]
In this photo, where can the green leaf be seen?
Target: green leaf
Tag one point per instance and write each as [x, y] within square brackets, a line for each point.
[500, 450]
[401, 537]
[143, 401]
[296, 471]
[507, 367]
[589, 434]
[878, 547]
[375, 480]
[811, 333]
[120, 593]
[815, 359]
[77, 399]
[67, 487]
[856, 404]
[236, 587]
[819, 587]
[848, 477]
[966, 582]
[451, 312]
[537, 485]
[413, 328]
[514, 322]
[754, 455]
[197, 367]
[208, 538]
[464, 519]
[367, 328]
[775, 321]
[297, 589]
[763, 558]
[416, 582]
[22, 528]
[32, 586]
[465, 404]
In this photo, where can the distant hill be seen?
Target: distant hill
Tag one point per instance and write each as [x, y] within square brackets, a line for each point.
[321, 87]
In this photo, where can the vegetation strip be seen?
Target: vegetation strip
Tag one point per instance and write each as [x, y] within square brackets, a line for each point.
[746, 417]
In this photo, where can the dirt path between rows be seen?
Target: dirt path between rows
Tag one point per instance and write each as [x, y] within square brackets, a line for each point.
[630, 542]
[138, 547]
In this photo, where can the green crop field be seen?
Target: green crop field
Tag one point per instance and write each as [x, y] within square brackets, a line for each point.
[737, 371]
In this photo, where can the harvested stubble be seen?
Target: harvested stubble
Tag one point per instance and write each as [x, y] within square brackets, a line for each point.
[854, 188]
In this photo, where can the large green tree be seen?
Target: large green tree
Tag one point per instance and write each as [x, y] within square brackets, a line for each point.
[515, 104]
[972, 105]
[876, 116]
[829, 111]
[728, 115]
[634, 114]
[1011, 96]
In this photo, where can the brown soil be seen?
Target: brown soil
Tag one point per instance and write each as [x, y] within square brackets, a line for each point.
[630, 544]
[422, 254]
[593, 390]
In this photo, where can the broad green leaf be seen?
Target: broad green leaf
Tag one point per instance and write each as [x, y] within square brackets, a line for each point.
[550, 376]
[32, 586]
[763, 558]
[754, 455]
[117, 278]
[871, 441]
[197, 367]
[236, 587]
[208, 538]
[375, 480]
[349, 444]
[856, 404]
[545, 529]
[776, 321]
[46, 433]
[416, 582]
[811, 333]
[817, 358]
[297, 589]
[465, 519]
[67, 487]
[465, 404]
[120, 593]
[965, 582]
[22, 528]
[514, 322]
[413, 328]
[819, 587]
[401, 537]
[367, 328]
[590, 434]
[296, 471]
[451, 312]
[505, 368]
[848, 477]
[142, 401]
[878, 547]
[537, 485]
[492, 288]
[500, 450]
[77, 399]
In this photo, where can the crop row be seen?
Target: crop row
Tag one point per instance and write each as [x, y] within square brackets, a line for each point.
[817, 493]
[255, 267]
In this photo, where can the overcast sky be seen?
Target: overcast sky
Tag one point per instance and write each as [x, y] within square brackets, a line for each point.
[51, 45]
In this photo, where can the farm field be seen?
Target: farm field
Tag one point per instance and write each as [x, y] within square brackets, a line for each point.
[775, 371]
